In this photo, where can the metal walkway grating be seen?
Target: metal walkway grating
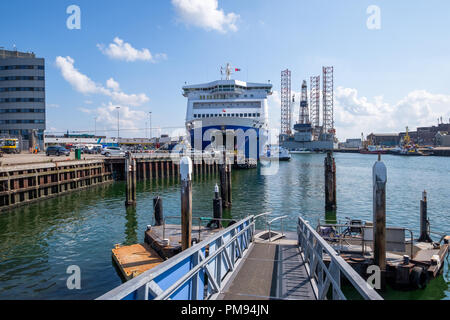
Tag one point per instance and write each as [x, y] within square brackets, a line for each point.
[270, 271]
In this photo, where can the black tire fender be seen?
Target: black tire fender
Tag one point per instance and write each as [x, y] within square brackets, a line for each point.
[419, 278]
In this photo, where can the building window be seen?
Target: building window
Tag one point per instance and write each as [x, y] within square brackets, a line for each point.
[22, 110]
[12, 89]
[21, 67]
[6, 100]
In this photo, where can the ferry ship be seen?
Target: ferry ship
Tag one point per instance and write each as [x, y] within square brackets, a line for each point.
[235, 109]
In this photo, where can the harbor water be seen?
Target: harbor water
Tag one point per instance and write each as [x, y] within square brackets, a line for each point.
[40, 241]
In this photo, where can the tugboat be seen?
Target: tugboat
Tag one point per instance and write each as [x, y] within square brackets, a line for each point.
[408, 148]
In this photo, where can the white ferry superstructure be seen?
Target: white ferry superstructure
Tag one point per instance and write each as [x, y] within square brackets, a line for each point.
[226, 105]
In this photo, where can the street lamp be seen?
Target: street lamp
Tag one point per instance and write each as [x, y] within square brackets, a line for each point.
[150, 116]
[95, 126]
[118, 128]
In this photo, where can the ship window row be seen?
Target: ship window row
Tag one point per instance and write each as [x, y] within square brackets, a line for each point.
[232, 115]
[21, 121]
[21, 89]
[22, 110]
[228, 88]
[12, 78]
[227, 105]
[5, 100]
[224, 96]
[21, 67]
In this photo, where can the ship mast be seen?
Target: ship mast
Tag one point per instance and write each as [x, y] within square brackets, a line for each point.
[227, 70]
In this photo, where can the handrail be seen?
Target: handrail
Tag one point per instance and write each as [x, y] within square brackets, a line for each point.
[363, 227]
[183, 276]
[313, 247]
[270, 225]
[199, 219]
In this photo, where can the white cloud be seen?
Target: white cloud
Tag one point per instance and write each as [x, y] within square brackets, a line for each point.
[129, 99]
[121, 50]
[113, 84]
[79, 81]
[205, 14]
[85, 85]
[355, 114]
[131, 122]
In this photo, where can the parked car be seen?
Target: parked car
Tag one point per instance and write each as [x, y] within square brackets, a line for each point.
[57, 151]
[113, 152]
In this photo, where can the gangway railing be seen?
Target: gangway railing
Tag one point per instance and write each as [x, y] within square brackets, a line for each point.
[202, 271]
[313, 248]
[198, 273]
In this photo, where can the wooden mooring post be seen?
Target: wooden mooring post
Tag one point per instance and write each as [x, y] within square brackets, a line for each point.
[225, 182]
[330, 182]
[424, 234]
[379, 174]
[130, 175]
[158, 211]
[217, 208]
[186, 202]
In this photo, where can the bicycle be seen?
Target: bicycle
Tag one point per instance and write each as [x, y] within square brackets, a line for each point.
[352, 229]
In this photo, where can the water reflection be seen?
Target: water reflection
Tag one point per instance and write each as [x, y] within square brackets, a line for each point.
[39, 241]
[131, 226]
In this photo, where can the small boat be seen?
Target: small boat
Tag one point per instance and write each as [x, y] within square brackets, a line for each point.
[301, 151]
[276, 153]
[373, 150]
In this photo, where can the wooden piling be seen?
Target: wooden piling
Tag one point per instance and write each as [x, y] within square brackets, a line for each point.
[144, 171]
[130, 173]
[186, 202]
[158, 211]
[223, 177]
[379, 174]
[424, 235]
[217, 208]
[330, 182]
[230, 197]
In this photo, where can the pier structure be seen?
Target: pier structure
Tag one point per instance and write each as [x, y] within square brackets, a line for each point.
[165, 165]
[25, 183]
[406, 262]
[22, 183]
[240, 262]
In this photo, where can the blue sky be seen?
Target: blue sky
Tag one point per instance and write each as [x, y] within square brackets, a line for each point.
[385, 79]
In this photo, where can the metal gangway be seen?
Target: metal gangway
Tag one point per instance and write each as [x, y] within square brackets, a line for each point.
[238, 263]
